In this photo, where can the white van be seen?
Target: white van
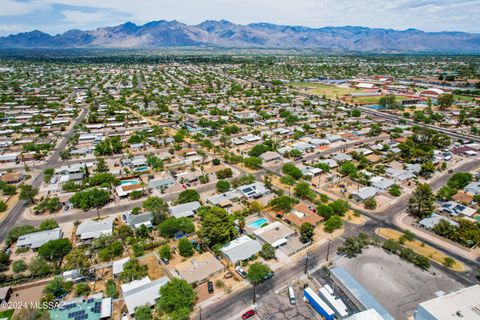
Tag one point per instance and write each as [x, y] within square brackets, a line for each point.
[291, 295]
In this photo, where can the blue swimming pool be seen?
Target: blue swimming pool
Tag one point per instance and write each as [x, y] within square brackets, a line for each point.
[375, 106]
[257, 224]
[142, 168]
[129, 182]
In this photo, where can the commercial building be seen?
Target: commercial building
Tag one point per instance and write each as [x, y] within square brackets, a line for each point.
[458, 305]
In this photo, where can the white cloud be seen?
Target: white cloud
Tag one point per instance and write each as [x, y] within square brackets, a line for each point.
[15, 8]
[428, 15]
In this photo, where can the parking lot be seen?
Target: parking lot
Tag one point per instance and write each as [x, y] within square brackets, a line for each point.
[398, 285]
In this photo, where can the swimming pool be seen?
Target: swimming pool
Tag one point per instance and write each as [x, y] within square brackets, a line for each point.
[128, 182]
[375, 106]
[257, 224]
[142, 168]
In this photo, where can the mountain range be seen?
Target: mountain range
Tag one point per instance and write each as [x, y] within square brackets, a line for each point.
[225, 34]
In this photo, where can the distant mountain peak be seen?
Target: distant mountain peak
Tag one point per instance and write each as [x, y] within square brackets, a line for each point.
[223, 33]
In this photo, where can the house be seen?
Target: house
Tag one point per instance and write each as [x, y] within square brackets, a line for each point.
[9, 157]
[311, 171]
[300, 214]
[473, 188]
[224, 199]
[254, 190]
[184, 210]
[199, 269]
[137, 220]
[455, 209]
[12, 177]
[123, 190]
[270, 156]
[37, 239]
[241, 249]
[142, 292]
[95, 306]
[5, 293]
[330, 162]
[364, 193]
[72, 275]
[381, 183]
[342, 157]
[90, 229]
[433, 220]
[276, 233]
[161, 183]
[399, 175]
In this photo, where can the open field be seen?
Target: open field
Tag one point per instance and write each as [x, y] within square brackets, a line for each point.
[424, 250]
[331, 92]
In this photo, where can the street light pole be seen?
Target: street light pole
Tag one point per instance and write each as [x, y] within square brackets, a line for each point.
[328, 249]
[254, 295]
[306, 263]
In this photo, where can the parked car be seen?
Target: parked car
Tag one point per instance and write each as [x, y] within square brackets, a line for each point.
[241, 272]
[210, 286]
[165, 260]
[269, 275]
[248, 314]
[228, 275]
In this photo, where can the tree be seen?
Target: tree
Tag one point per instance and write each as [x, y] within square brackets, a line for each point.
[49, 205]
[459, 180]
[55, 250]
[172, 225]
[111, 289]
[165, 252]
[370, 203]
[216, 227]
[332, 224]
[427, 169]
[185, 247]
[157, 207]
[421, 203]
[354, 246]
[388, 101]
[176, 295]
[303, 190]
[253, 162]
[82, 289]
[188, 195]
[3, 206]
[348, 169]
[91, 198]
[256, 274]
[291, 170]
[57, 287]
[446, 193]
[28, 193]
[19, 266]
[356, 113]
[101, 165]
[268, 251]
[77, 259]
[133, 270]
[223, 186]
[283, 203]
[375, 130]
[445, 101]
[143, 313]
[325, 211]
[339, 207]
[307, 230]
[395, 190]
[39, 267]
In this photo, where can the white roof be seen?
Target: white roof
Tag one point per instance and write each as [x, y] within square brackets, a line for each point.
[461, 304]
[142, 292]
[241, 249]
[37, 239]
[370, 314]
[93, 229]
[118, 265]
[185, 209]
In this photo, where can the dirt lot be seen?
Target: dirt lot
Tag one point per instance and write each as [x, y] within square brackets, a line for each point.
[155, 269]
[398, 285]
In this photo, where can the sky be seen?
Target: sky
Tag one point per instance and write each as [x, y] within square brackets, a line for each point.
[57, 16]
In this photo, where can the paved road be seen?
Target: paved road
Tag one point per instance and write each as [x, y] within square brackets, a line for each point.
[17, 210]
[232, 305]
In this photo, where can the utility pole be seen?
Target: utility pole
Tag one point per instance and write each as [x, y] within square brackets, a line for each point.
[328, 248]
[200, 313]
[254, 295]
[306, 263]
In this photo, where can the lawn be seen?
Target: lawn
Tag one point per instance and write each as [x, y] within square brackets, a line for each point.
[6, 314]
[424, 250]
[330, 91]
